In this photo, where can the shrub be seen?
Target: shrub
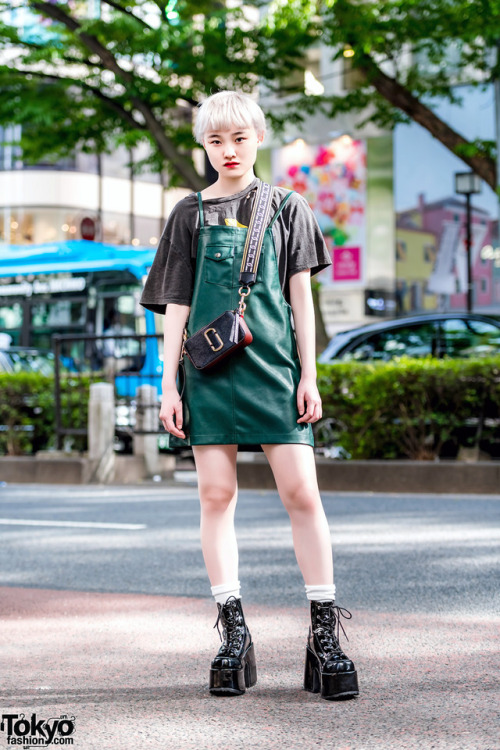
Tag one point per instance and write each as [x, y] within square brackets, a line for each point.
[411, 408]
[27, 411]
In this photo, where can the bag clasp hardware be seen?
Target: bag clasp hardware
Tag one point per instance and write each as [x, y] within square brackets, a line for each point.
[241, 304]
[219, 340]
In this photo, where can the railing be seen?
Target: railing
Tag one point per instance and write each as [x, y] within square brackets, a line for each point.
[126, 360]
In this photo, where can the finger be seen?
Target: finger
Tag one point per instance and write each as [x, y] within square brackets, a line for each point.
[179, 432]
[306, 417]
[300, 401]
[313, 413]
[317, 413]
[173, 430]
[178, 414]
[170, 427]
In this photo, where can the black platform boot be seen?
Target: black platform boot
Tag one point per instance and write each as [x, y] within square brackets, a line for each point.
[327, 668]
[234, 668]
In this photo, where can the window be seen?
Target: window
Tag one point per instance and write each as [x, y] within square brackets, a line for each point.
[401, 250]
[429, 254]
[58, 314]
[470, 338]
[410, 341]
[11, 316]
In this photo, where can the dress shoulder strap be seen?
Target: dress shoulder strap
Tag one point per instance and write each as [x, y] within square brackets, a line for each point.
[200, 208]
[280, 209]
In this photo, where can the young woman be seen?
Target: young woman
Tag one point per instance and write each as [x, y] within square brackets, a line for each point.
[264, 394]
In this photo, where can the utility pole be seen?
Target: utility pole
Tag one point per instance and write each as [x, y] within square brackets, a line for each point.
[497, 128]
[468, 249]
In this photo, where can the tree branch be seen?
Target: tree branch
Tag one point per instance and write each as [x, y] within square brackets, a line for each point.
[401, 98]
[126, 12]
[109, 101]
[180, 162]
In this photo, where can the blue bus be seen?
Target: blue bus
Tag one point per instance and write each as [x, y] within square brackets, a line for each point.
[79, 287]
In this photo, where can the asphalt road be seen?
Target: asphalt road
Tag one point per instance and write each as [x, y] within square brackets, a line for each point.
[392, 553]
[105, 614]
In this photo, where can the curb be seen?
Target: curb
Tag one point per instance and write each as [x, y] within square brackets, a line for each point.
[432, 477]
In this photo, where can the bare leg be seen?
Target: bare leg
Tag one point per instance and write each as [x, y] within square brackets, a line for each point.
[218, 490]
[294, 470]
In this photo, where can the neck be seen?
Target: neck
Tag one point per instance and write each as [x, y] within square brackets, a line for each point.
[226, 186]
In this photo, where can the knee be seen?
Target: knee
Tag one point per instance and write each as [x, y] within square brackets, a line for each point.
[302, 499]
[216, 498]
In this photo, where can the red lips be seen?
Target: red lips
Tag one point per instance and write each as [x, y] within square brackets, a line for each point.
[232, 164]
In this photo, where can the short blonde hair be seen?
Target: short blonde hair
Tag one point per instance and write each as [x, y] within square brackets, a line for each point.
[227, 108]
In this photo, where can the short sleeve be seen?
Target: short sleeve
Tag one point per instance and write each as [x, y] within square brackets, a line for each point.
[171, 277]
[305, 242]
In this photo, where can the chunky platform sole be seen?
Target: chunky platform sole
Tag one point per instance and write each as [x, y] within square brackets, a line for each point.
[332, 685]
[235, 681]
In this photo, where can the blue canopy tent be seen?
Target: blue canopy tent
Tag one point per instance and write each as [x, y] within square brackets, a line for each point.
[73, 256]
[84, 256]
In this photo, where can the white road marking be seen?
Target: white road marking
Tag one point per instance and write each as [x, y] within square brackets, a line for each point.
[73, 524]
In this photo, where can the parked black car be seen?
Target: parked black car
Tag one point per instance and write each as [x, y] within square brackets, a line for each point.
[453, 334]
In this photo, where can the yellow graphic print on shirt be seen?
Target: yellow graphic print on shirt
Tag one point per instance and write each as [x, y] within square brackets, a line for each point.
[235, 223]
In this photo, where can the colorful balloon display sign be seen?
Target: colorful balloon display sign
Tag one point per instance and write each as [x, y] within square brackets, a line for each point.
[332, 178]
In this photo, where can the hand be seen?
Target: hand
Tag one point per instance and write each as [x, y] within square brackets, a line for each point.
[171, 412]
[308, 401]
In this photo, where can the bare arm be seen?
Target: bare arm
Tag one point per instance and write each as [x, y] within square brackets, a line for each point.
[171, 404]
[308, 398]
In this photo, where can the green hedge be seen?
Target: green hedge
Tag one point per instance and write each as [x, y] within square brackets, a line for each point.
[27, 411]
[417, 409]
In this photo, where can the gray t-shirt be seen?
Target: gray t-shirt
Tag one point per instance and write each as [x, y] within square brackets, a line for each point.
[297, 237]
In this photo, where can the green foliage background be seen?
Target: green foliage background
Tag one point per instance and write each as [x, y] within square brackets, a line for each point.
[135, 72]
[27, 411]
[412, 409]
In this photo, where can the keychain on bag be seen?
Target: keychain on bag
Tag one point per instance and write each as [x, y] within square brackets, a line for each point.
[229, 331]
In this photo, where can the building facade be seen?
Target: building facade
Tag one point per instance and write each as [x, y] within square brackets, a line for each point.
[431, 252]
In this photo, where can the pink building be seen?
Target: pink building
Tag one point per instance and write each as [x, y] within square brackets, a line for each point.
[446, 219]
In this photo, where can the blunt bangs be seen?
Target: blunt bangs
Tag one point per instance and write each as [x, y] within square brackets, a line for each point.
[226, 109]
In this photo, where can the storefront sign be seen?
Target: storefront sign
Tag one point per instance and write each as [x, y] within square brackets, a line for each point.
[346, 263]
[491, 253]
[53, 286]
[378, 302]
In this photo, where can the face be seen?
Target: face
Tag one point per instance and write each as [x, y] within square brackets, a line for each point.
[232, 152]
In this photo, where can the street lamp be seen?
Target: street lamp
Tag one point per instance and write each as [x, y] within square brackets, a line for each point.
[468, 183]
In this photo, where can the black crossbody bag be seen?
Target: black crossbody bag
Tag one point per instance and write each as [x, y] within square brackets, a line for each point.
[229, 333]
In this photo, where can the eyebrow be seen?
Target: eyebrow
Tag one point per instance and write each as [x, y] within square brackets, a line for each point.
[217, 135]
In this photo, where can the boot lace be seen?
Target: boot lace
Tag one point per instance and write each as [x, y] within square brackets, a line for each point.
[328, 621]
[233, 630]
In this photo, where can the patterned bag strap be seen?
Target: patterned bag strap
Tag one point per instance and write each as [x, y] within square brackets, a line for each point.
[255, 234]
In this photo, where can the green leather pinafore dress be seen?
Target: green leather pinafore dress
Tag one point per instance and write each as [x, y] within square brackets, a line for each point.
[251, 397]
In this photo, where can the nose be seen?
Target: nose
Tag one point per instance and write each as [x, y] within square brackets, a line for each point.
[229, 151]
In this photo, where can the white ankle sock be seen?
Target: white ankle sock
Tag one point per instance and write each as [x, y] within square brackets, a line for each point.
[321, 593]
[223, 591]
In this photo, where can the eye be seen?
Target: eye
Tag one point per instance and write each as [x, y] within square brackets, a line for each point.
[240, 138]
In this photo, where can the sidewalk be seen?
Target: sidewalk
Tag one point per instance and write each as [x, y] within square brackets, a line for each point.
[133, 670]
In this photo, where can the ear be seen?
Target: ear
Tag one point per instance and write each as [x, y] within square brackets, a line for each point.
[260, 138]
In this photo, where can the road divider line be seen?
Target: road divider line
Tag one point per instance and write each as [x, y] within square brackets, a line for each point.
[73, 524]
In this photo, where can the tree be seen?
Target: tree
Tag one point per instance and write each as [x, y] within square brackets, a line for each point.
[408, 54]
[133, 74]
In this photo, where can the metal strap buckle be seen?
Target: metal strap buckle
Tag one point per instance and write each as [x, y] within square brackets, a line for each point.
[243, 294]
